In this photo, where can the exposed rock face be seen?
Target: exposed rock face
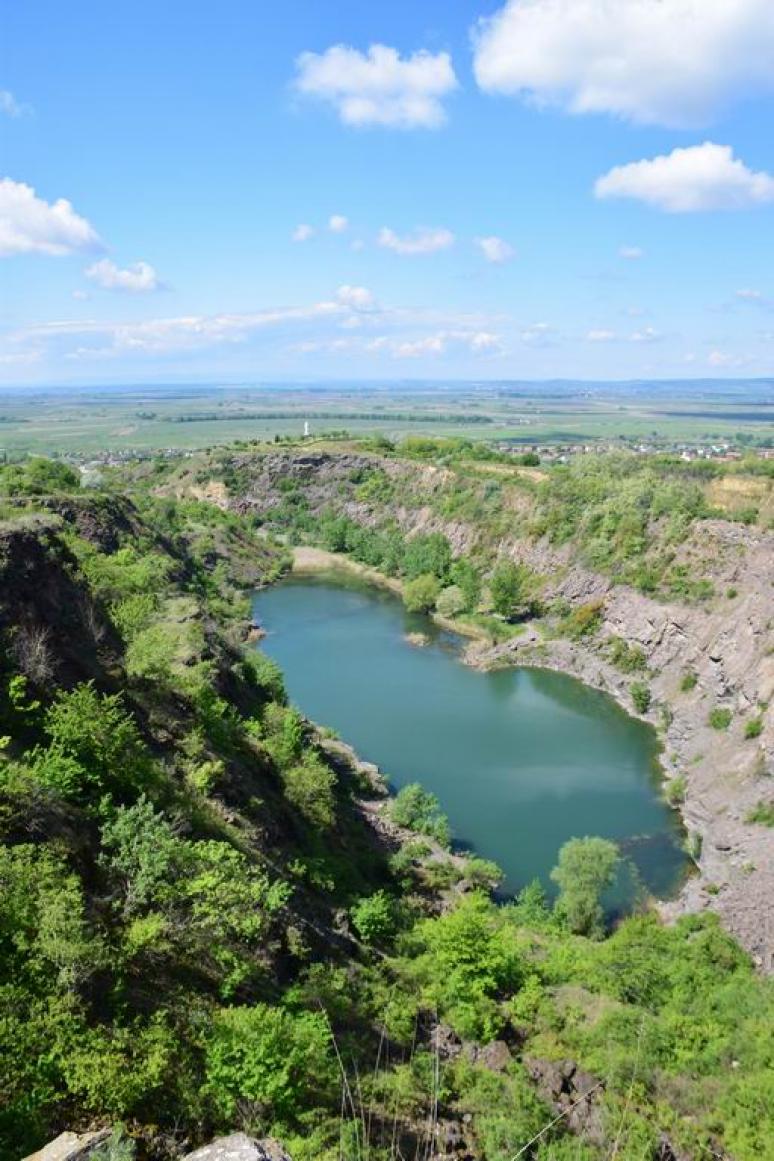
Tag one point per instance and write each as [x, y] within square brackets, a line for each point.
[573, 1092]
[240, 1147]
[70, 1147]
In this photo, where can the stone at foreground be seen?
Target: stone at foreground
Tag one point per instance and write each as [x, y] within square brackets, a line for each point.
[70, 1147]
[240, 1147]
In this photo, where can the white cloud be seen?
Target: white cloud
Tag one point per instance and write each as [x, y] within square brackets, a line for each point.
[379, 87]
[30, 225]
[600, 336]
[357, 297]
[10, 106]
[181, 333]
[749, 295]
[140, 278]
[631, 253]
[337, 223]
[539, 334]
[422, 241]
[726, 360]
[700, 177]
[666, 62]
[495, 249]
[645, 335]
[302, 233]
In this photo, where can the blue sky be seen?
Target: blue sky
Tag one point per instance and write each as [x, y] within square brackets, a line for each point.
[509, 202]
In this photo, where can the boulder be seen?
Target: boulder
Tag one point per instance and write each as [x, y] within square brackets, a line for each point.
[70, 1147]
[240, 1147]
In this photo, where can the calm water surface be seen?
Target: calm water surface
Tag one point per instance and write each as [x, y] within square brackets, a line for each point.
[521, 760]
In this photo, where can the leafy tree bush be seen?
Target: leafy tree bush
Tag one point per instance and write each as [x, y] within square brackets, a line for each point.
[374, 917]
[38, 476]
[688, 682]
[585, 869]
[466, 578]
[641, 696]
[753, 728]
[309, 786]
[419, 810]
[97, 733]
[266, 1063]
[420, 595]
[627, 658]
[466, 960]
[451, 602]
[720, 718]
[427, 553]
[514, 589]
[582, 621]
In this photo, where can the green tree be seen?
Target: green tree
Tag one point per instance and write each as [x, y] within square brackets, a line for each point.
[421, 594]
[514, 591]
[586, 867]
[465, 576]
[266, 1061]
[374, 916]
[427, 553]
[419, 810]
[451, 602]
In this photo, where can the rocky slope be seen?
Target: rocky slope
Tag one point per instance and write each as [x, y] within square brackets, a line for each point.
[725, 646]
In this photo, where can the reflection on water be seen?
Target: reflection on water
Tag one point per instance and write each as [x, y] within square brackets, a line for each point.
[520, 759]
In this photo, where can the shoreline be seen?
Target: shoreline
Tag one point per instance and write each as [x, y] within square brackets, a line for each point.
[530, 651]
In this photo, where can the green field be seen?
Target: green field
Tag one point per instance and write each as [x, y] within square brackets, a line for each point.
[124, 420]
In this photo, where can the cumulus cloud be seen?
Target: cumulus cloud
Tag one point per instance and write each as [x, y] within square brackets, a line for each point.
[140, 278]
[700, 177]
[422, 241]
[600, 336]
[749, 295]
[302, 232]
[631, 253]
[337, 223]
[495, 250]
[357, 297]
[30, 225]
[379, 87]
[477, 342]
[645, 335]
[10, 106]
[677, 63]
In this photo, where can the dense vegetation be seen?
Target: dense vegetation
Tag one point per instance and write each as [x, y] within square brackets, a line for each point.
[199, 931]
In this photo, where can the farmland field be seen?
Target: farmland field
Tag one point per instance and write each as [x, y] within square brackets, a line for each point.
[85, 422]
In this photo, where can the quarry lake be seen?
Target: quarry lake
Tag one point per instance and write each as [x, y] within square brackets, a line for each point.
[520, 759]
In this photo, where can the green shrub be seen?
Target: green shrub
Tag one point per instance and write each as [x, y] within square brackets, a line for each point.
[309, 786]
[266, 1062]
[763, 813]
[427, 554]
[641, 696]
[419, 810]
[688, 682]
[627, 658]
[720, 718]
[421, 594]
[466, 960]
[451, 602]
[583, 621]
[515, 591]
[753, 728]
[374, 917]
[675, 790]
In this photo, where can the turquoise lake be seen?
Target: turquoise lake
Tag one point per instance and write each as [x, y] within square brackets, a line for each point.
[521, 759]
